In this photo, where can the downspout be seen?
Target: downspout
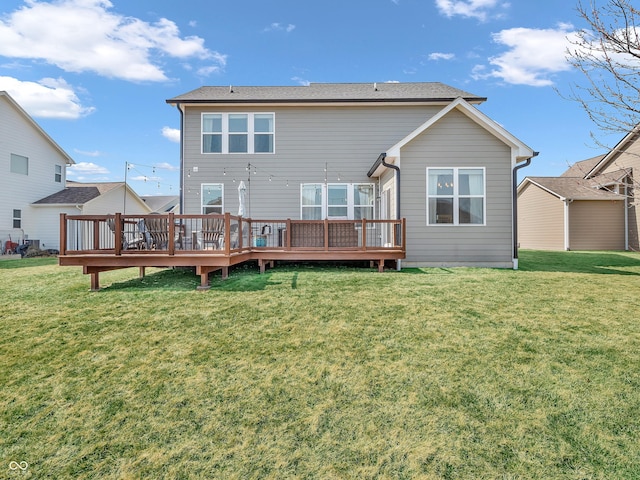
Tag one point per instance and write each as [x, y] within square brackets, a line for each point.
[181, 158]
[397, 175]
[398, 227]
[514, 181]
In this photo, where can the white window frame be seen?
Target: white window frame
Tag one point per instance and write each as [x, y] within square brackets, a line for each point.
[17, 218]
[251, 133]
[456, 197]
[19, 164]
[57, 176]
[204, 186]
[350, 200]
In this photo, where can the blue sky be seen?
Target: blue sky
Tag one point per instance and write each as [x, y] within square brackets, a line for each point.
[95, 74]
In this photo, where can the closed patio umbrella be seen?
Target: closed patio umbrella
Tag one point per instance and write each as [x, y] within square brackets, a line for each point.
[242, 189]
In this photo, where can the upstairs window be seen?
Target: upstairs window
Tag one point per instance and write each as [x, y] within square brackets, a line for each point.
[19, 164]
[238, 133]
[456, 196]
[58, 174]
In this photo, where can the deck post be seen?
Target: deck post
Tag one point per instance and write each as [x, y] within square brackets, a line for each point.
[63, 234]
[96, 234]
[118, 233]
[95, 281]
[403, 240]
[141, 272]
[172, 234]
[326, 234]
[364, 234]
[227, 234]
[288, 235]
[204, 281]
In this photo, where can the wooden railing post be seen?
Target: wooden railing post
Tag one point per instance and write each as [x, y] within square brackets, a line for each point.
[63, 234]
[288, 235]
[240, 235]
[118, 233]
[227, 233]
[326, 234]
[404, 235]
[364, 234]
[172, 234]
[96, 234]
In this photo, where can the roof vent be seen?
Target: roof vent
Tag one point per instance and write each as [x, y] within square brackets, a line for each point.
[375, 87]
[230, 88]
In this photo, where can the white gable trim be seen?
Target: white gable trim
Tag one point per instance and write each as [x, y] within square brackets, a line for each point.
[38, 128]
[520, 150]
[528, 181]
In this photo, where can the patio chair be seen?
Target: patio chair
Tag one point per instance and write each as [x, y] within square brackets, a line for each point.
[158, 229]
[135, 242]
[212, 233]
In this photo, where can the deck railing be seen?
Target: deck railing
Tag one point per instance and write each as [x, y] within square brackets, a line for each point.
[225, 234]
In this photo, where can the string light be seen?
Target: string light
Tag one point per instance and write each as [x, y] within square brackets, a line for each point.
[144, 177]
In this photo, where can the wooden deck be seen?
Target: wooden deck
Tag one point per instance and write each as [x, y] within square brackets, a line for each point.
[216, 242]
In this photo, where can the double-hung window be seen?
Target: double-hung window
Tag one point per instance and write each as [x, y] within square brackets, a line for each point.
[456, 196]
[238, 132]
[17, 218]
[212, 195]
[349, 201]
[58, 174]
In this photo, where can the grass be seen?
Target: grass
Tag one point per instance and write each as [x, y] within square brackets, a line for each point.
[316, 372]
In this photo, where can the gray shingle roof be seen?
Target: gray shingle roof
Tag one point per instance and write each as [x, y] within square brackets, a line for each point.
[78, 193]
[574, 188]
[580, 169]
[73, 195]
[328, 92]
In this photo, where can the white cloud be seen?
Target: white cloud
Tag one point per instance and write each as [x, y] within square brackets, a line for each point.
[86, 168]
[94, 153]
[533, 56]
[479, 9]
[301, 81]
[167, 166]
[85, 35]
[441, 56]
[49, 98]
[171, 134]
[279, 27]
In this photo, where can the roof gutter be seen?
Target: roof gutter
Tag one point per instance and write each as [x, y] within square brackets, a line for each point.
[515, 206]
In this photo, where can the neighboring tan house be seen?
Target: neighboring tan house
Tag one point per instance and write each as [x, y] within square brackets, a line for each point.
[592, 206]
[420, 151]
[33, 166]
[83, 199]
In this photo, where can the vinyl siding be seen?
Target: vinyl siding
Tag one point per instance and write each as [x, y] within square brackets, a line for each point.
[347, 140]
[596, 225]
[457, 141]
[540, 219]
[630, 158]
[17, 191]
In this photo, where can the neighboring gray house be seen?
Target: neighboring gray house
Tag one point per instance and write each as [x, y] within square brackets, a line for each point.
[420, 151]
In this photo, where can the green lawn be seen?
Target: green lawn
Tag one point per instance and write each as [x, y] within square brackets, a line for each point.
[318, 372]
